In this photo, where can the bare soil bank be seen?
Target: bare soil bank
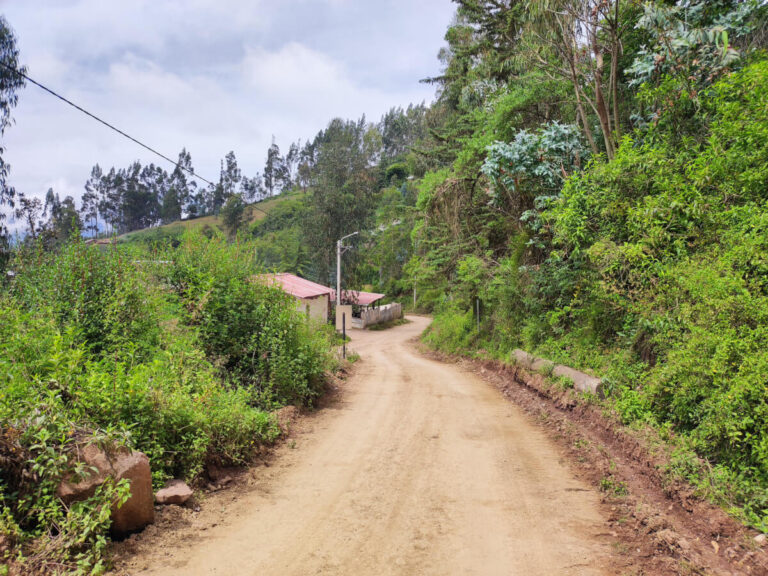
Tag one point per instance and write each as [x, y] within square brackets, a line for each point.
[659, 527]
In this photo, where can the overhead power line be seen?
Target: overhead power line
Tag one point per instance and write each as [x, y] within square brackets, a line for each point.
[107, 124]
[110, 126]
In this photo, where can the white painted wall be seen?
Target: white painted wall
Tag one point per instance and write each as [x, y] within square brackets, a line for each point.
[317, 307]
[382, 314]
[370, 316]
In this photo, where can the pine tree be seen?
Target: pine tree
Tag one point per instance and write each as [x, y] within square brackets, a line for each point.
[291, 164]
[181, 191]
[275, 171]
[306, 162]
[231, 176]
[252, 189]
[29, 210]
[342, 199]
[232, 214]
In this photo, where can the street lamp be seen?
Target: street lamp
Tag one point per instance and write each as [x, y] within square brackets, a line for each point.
[339, 252]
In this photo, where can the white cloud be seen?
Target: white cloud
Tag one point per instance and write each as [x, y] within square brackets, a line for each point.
[292, 72]
[210, 76]
[306, 84]
[144, 81]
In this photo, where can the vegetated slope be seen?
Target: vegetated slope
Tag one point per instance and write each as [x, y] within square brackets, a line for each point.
[254, 212]
[181, 360]
[607, 209]
[653, 273]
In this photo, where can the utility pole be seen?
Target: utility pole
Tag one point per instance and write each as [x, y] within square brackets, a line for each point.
[339, 252]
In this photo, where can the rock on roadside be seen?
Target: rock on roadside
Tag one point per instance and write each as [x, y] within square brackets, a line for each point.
[138, 511]
[174, 492]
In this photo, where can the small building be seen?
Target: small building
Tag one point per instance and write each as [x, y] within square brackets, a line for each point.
[362, 299]
[361, 310]
[311, 298]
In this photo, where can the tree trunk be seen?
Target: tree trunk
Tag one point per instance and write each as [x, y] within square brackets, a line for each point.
[614, 89]
[600, 106]
[580, 108]
[615, 53]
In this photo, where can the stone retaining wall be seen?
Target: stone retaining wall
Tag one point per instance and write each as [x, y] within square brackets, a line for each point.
[581, 381]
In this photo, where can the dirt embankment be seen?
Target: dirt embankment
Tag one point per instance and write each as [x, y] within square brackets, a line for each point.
[661, 527]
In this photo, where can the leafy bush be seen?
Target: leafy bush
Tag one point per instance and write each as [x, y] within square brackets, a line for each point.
[452, 331]
[178, 360]
[250, 329]
[100, 295]
[656, 277]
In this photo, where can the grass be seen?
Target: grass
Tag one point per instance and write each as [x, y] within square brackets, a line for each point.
[562, 382]
[613, 487]
[213, 221]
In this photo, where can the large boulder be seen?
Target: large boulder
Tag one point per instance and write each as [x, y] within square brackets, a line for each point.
[138, 511]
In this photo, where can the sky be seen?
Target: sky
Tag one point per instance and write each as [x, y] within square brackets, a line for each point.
[208, 75]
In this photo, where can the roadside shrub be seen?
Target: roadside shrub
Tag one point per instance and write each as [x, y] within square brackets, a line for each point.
[98, 294]
[122, 348]
[451, 331]
[251, 330]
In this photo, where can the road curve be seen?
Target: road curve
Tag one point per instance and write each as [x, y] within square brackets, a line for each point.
[422, 468]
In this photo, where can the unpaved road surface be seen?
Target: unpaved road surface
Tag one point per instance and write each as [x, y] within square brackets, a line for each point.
[421, 468]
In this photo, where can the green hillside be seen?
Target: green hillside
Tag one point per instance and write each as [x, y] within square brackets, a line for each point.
[254, 213]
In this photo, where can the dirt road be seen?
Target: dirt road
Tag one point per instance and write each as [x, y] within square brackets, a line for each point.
[421, 469]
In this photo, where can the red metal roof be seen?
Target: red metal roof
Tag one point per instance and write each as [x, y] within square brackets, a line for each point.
[295, 286]
[361, 298]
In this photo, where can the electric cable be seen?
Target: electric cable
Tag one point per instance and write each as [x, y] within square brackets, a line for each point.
[110, 126]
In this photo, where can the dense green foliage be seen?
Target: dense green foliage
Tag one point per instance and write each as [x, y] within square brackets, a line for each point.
[10, 85]
[674, 241]
[592, 178]
[252, 331]
[179, 358]
[645, 264]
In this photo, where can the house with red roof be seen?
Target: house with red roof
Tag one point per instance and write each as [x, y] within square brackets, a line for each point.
[364, 299]
[311, 298]
[315, 301]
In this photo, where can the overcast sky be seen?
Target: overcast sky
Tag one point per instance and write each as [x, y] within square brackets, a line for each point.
[211, 75]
